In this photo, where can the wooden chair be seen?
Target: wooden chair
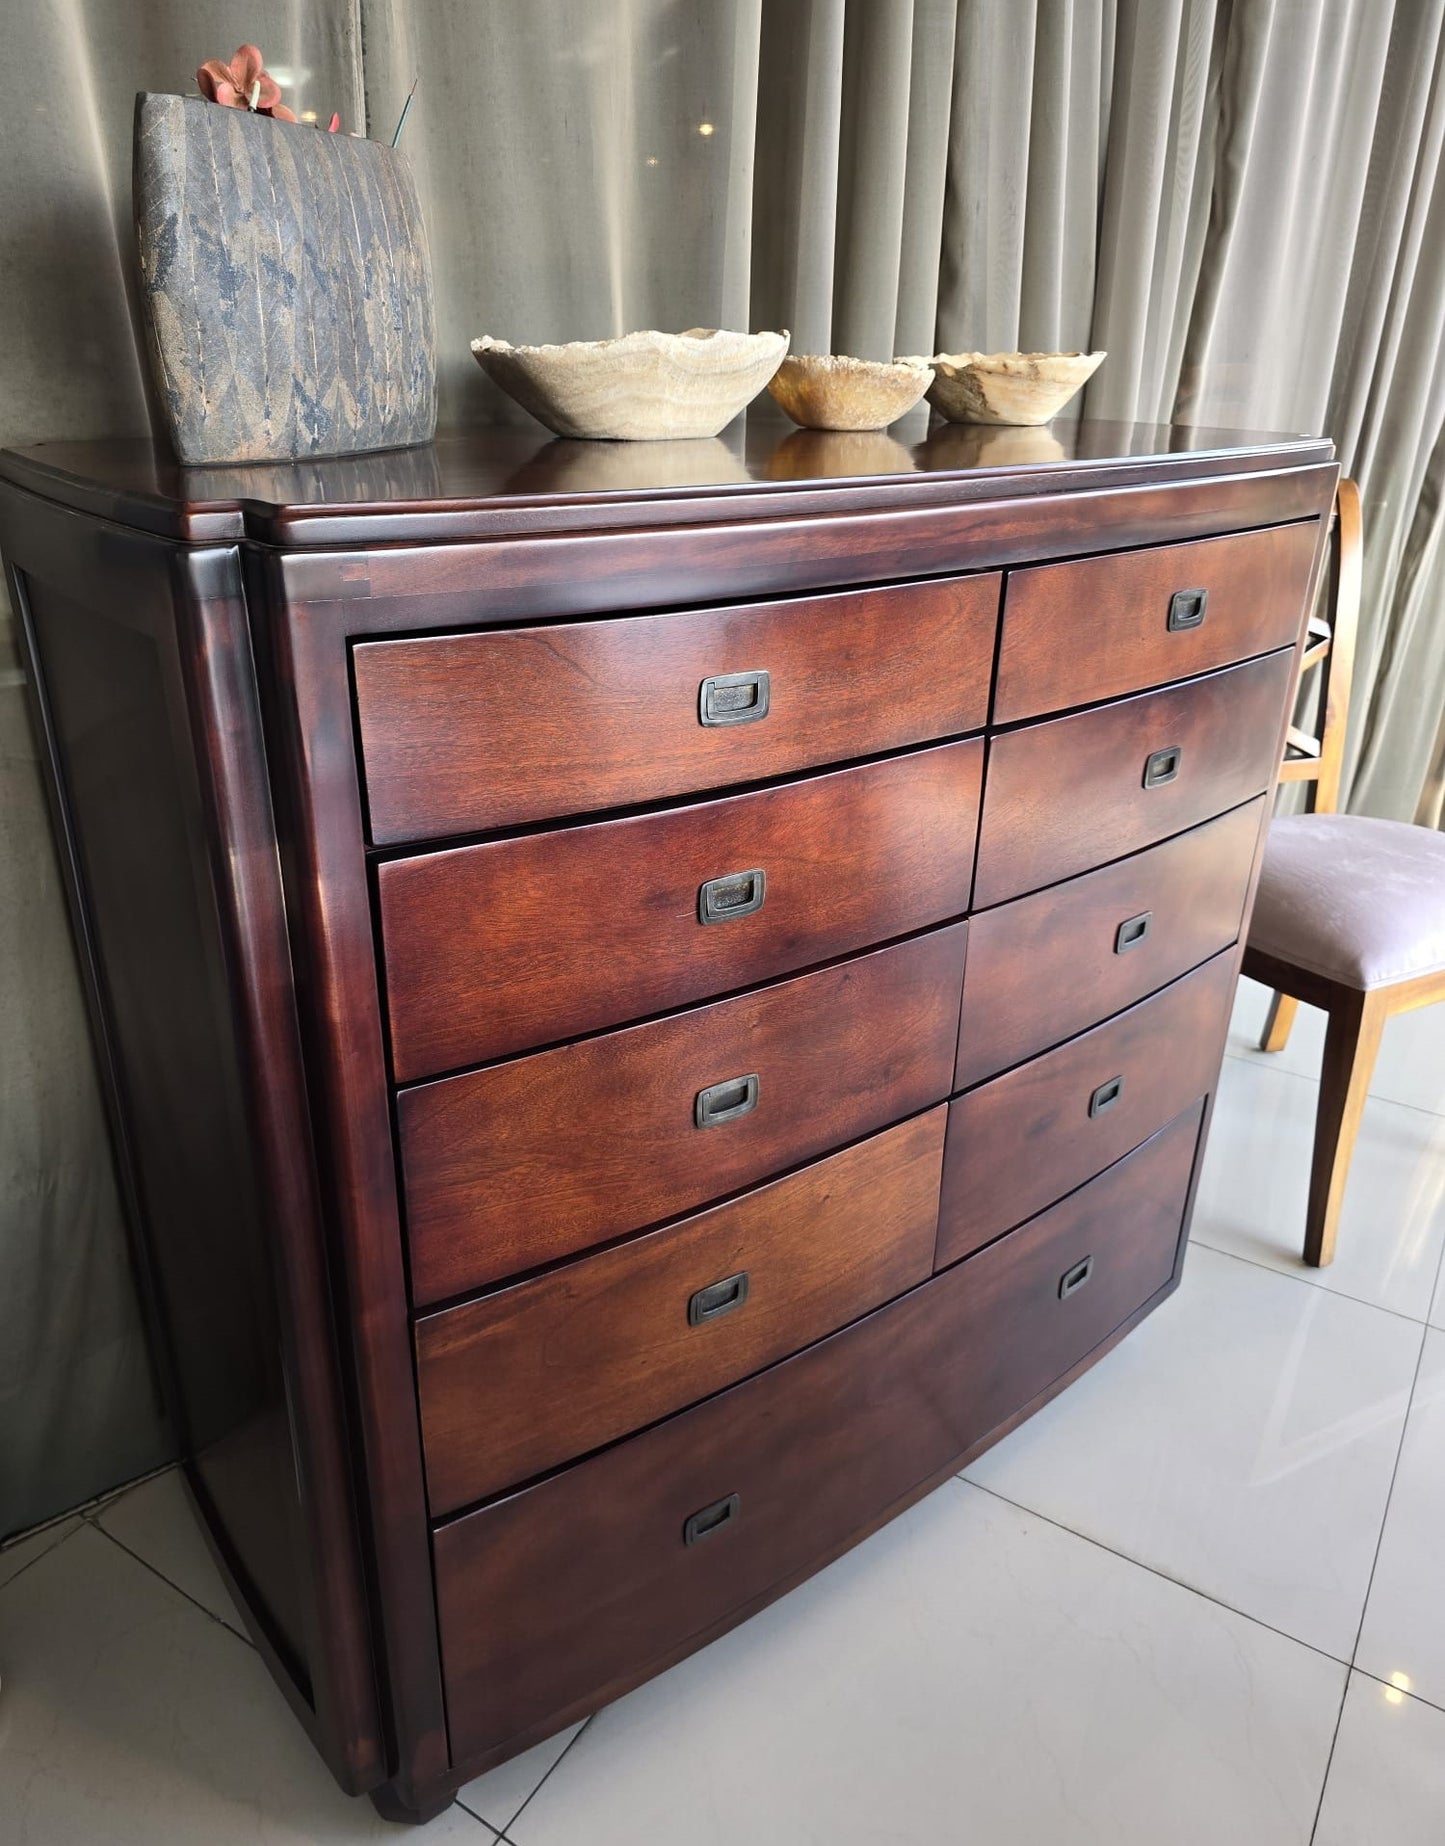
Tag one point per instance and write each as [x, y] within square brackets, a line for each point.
[1350, 914]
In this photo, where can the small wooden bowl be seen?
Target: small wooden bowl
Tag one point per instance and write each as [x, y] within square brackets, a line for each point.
[1017, 388]
[832, 391]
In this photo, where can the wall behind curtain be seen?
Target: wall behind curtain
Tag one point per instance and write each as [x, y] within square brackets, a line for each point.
[1238, 198]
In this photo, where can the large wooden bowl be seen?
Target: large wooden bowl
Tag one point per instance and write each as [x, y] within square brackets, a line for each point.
[644, 387]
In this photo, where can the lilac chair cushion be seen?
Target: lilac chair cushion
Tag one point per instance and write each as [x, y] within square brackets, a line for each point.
[1357, 900]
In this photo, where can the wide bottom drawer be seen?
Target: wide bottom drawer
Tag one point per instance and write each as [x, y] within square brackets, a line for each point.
[572, 1589]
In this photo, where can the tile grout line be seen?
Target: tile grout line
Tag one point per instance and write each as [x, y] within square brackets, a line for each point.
[40, 1556]
[552, 1770]
[1256, 1059]
[1338, 1294]
[486, 1825]
[145, 1564]
[1154, 1571]
[1370, 1584]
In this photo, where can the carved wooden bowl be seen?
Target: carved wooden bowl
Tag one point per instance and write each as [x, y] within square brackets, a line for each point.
[644, 387]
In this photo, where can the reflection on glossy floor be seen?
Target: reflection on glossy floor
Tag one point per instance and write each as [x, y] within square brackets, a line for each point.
[1198, 1599]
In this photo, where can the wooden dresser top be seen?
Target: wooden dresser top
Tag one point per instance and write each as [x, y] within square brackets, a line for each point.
[512, 481]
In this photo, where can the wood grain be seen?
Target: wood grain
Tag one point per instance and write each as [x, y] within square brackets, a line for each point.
[535, 1159]
[491, 949]
[463, 733]
[549, 1594]
[1045, 967]
[1068, 794]
[1098, 627]
[1025, 1139]
[538, 1373]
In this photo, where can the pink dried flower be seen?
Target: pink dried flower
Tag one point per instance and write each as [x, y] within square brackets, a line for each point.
[244, 83]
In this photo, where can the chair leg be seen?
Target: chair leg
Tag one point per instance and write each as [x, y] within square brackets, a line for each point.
[1282, 1009]
[1352, 1040]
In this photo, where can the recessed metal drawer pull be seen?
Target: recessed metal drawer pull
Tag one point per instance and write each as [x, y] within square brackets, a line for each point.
[734, 698]
[1106, 1096]
[709, 1519]
[726, 1101]
[1186, 609]
[739, 894]
[717, 1299]
[1163, 765]
[1075, 1278]
[1132, 931]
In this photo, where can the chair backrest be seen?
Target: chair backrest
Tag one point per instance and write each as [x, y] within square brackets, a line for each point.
[1330, 649]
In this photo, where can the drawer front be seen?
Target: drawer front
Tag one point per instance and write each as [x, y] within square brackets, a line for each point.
[539, 1373]
[1098, 627]
[1045, 967]
[467, 732]
[491, 949]
[1065, 796]
[520, 1164]
[1018, 1143]
[560, 1595]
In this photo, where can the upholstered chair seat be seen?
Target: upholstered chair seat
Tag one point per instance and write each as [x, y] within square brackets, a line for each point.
[1351, 899]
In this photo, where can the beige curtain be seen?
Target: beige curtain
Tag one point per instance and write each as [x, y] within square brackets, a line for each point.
[1237, 198]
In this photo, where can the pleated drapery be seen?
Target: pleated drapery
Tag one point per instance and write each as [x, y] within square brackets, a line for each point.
[1238, 199]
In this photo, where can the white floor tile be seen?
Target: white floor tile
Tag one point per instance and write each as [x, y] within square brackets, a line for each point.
[1387, 1777]
[969, 1674]
[499, 1795]
[1437, 1306]
[1255, 1185]
[1410, 1068]
[127, 1716]
[1242, 1440]
[1403, 1639]
[156, 1522]
[23, 1552]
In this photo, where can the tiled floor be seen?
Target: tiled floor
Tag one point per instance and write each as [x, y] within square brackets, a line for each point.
[1198, 1599]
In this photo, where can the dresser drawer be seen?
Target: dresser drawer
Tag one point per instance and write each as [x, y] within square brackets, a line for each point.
[1067, 795]
[467, 732]
[1098, 627]
[541, 1372]
[1018, 1143]
[558, 1596]
[528, 1161]
[1045, 967]
[490, 949]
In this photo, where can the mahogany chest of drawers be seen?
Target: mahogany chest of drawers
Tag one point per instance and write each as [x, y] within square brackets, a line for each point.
[655, 1000]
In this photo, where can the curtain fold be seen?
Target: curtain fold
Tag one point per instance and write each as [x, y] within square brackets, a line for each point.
[1240, 200]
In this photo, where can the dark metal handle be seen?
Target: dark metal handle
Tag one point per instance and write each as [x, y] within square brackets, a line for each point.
[1106, 1096]
[739, 894]
[1075, 1278]
[734, 698]
[1186, 609]
[718, 1298]
[1163, 765]
[726, 1101]
[709, 1519]
[1132, 931]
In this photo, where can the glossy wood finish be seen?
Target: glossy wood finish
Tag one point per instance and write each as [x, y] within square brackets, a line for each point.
[491, 949]
[1045, 967]
[497, 480]
[1097, 627]
[549, 1594]
[837, 1053]
[1068, 794]
[545, 1370]
[477, 536]
[145, 706]
[1032, 1135]
[468, 732]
